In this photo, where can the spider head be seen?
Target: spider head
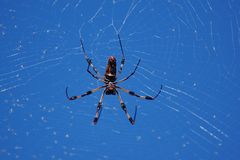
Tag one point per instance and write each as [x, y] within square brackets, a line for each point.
[111, 60]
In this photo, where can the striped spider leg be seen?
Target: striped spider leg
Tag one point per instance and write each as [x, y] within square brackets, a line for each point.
[124, 108]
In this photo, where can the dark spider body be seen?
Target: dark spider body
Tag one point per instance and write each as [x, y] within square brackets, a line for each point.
[110, 84]
[110, 89]
[110, 73]
[110, 76]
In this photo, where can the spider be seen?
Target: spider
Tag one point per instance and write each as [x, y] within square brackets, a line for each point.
[110, 84]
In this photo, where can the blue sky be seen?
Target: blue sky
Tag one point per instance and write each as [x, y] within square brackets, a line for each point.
[189, 47]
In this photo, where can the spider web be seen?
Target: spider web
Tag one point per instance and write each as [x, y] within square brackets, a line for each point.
[191, 47]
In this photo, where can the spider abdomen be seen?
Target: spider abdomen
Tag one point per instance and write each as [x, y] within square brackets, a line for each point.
[111, 78]
[110, 74]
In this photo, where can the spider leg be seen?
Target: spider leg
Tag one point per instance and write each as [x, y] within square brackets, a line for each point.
[99, 109]
[123, 57]
[139, 96]
[82, 95]
[94, 76]
[89, 61]
[131, 120]
[124, 79]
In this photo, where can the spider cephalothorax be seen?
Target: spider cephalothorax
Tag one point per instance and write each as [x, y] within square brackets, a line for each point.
[110, 84]
[110, 89]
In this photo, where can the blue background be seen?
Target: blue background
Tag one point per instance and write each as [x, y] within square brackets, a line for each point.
[190, 46]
